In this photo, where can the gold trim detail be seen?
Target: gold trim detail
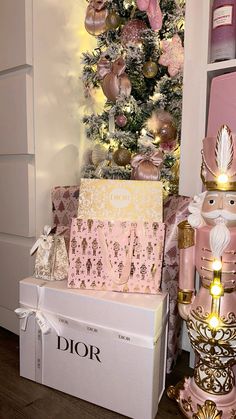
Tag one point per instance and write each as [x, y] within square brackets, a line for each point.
[226, 290]
[215, 186]
[233, 413]
[185, 235]
[216, 348]
[173, 392]
[208, 411]
[185, 296]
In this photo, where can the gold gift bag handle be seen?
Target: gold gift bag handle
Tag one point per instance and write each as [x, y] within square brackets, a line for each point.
[123, 279]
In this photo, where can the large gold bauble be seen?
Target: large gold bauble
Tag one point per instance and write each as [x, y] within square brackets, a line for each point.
[167, 132]
[113, 20]
[150, 69]
[122, 156]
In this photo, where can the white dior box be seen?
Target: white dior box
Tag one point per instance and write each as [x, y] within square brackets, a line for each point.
[104, 347]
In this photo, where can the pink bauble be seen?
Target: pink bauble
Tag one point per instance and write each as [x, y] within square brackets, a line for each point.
[131, 32]
[121, 120]
[113, 86]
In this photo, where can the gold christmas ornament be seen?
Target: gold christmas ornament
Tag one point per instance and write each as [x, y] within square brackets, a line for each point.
[150, 69]
[167, 132]
[158, 118]
[122, 157]
[99, 154]
[113, 20]
[161, 125]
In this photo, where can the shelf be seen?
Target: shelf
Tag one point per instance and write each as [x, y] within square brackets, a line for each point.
[221, 66]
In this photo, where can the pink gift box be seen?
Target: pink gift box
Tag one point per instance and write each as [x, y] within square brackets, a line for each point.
[175, 211]
[65, 201]
[64, 204]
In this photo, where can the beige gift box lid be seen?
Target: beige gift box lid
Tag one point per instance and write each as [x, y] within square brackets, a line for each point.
[124, 200]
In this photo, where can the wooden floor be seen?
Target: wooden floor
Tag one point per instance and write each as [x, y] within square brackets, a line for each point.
[24, 399]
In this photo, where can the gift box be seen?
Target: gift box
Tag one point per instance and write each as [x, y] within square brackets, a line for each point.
[124, 200]
[64, 207]
[175, 211]
[103, 347]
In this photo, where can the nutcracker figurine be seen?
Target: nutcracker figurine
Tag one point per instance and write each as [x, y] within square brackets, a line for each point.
[207, 243]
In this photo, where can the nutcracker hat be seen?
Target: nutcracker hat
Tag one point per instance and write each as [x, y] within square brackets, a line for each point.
[218, 170]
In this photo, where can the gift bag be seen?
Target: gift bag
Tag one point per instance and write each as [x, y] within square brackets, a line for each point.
[51, 261]
[119, 256]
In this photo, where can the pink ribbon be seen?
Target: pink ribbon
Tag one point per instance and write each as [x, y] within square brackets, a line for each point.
[97, 4]
[153, 10]
[155, 158]
[105, 67]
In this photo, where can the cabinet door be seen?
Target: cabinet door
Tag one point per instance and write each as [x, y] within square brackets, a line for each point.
[15, 33]
[16, 264]
[17, 192]
[16, 113]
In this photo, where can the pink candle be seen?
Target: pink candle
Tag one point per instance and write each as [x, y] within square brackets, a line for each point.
[223, 30]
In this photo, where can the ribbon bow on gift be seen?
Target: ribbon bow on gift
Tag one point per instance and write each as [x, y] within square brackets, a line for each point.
[41, 319]
[154, 12]
[43, 242]
[155, 158]
[44, 320]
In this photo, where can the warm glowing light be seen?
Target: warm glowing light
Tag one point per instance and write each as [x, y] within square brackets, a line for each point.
[216, 290]
[128, 109]
[214, 321]
[217, 265]
[223, 178]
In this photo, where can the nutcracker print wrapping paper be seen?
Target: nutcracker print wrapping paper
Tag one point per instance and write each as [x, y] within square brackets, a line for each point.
[116, 256]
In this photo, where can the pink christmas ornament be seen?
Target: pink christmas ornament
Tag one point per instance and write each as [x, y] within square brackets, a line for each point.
[114, 79]
[95, 20]
[132, 31]
[121, 121]
[147, 166]
[173, 55]
[154, 12]
[168, 146]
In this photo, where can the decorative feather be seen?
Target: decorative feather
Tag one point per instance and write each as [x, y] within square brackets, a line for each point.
[224, 149]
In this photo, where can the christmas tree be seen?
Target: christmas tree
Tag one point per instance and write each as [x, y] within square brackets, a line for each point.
[138, 63]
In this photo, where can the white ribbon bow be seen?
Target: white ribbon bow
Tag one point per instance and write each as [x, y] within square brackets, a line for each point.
[42, 241]
[41, 319]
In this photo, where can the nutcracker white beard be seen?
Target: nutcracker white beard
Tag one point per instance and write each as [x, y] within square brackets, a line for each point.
[220, 233]
[219, 239]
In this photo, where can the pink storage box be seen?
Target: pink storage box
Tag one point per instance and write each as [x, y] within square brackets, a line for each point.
[222, 104]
